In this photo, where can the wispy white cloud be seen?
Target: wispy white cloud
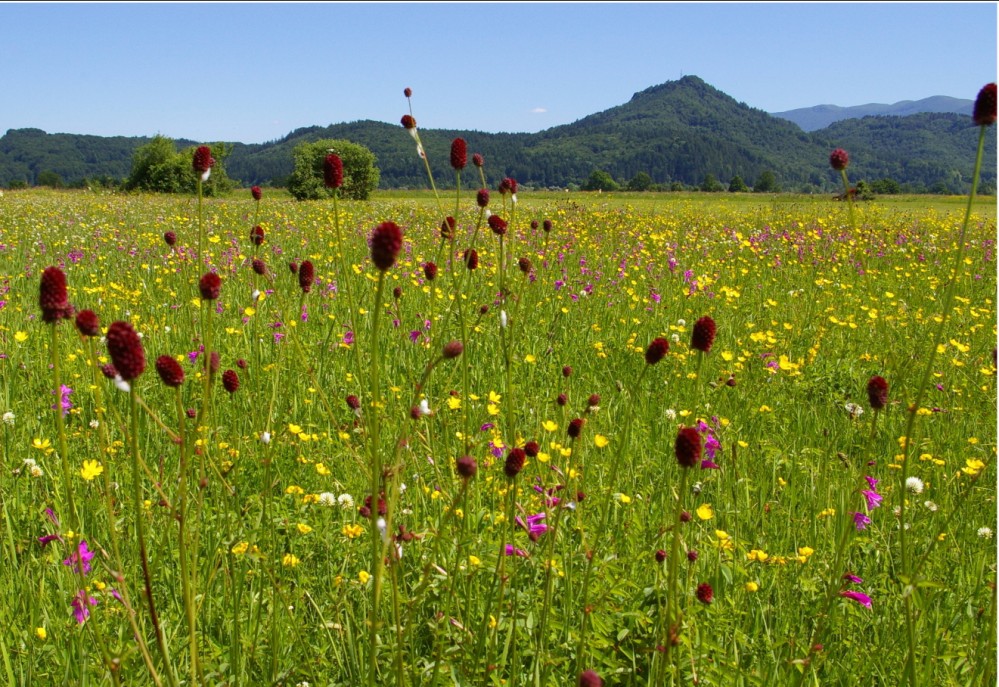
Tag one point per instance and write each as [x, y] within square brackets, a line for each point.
[539, 110]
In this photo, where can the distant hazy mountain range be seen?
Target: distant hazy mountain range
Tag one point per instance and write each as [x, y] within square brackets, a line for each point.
[821, 116]
[678, 132]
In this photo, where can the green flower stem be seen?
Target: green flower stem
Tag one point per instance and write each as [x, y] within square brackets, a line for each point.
[377, 545]
[74, 519]
[140, 535]
[187, 588]
[908, 580]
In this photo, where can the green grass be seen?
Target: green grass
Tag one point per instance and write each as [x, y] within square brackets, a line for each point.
[807, 310]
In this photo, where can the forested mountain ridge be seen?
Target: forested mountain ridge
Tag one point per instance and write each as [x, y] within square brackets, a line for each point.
[678, 132]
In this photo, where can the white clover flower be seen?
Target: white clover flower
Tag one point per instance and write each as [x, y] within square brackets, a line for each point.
[697, 487]
[914, 485]
[8, 418]
[36, 471]
[346, 501]
[327, 499]
[930, 506]
[675, 338]
[985, 532]
[854, 410]
[94, 424]
[670, 414]
[682, 322]
[167, 329]
[29, 462]
[402, 488]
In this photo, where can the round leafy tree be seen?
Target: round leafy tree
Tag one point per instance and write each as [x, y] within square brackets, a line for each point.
[360, 175]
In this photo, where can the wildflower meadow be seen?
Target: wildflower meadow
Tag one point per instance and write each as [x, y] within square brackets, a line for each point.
[484, 436]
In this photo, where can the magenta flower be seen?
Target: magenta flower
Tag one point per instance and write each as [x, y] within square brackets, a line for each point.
[850, 577]
[859, 597]
[861, 521]
[80, 603]
[81, 559]
[873, 498]
[872, 481]
[534, 527]
[513, 551]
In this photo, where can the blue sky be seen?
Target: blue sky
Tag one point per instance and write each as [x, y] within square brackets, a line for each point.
[252, 72]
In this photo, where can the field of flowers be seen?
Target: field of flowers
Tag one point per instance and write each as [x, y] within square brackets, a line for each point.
[252, 441]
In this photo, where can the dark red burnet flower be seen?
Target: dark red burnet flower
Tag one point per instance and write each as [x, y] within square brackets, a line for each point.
[562, 400]
[447, 227]
[497, 224]
[293, 266]
[703, 336]
[256, 192]
[257, 235]
[656, 351]
[230, 381]
[52, 297]
[87, 323]
[514, 462]
[478, 160]
[170, 238]
[408, 121]
[839, 159]
[877, 392]
[333, 171]
[593, 401]
[386, 242]
[688, 447]
[430, 271]
[108, 371]
[589, 678]
[259, 266]
[203, 159]
[566, 371]
[984, 112]
[242, 364]
[306, 276]
[471, 258]
[214, 362]
[547, 225]
[408, 92]
[482, 197]
[534, 224]
[466, 467]
[452, 349]
[507, 185]
[524, 264]
[532, 449]
[705, 593]
[125, 349]
[660, 555]
[685, 516]
[210, 286]
[170, 371]
[459, 154]
[397, 293]
[576, 427]
[353, 402]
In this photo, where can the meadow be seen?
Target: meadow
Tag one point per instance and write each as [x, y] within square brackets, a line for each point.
[547, 470]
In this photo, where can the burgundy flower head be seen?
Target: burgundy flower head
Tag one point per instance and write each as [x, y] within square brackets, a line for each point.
[562, 400]
[466, 467]
[170, 238]
[293, 266]
[259, 266]
[386, 242]
[108, 371]
[478, 160]
[547, 225]
[576, 427]
[838, 159]
[534, 224]
[430, 271]
[524, 264]
[447, 227]
[656, 351]
[508, 185]
[52, 298]
[471, 258]
[125, 349]
[459, 154]
[257, 235]
[452, 349]
[877, 392]
[566, 371]
[408, 121]
[705, 593]
[688, 447]
[353, 402]
[210, 286]
[703, 336]
[589, 678]
[306, 276]
[482, 197]
[169, 371]
[408, 92]
[333, 171]
[203, 159]
[497, 224]
[87, 323]
[514, 462]
[532, 449]
[984, 113]
[230, 381]
[256, 192]
[660, 556]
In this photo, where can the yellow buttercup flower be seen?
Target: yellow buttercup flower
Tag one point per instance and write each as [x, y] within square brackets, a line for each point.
[91, 469]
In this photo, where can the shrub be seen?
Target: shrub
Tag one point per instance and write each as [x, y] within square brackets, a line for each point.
[360, 173]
